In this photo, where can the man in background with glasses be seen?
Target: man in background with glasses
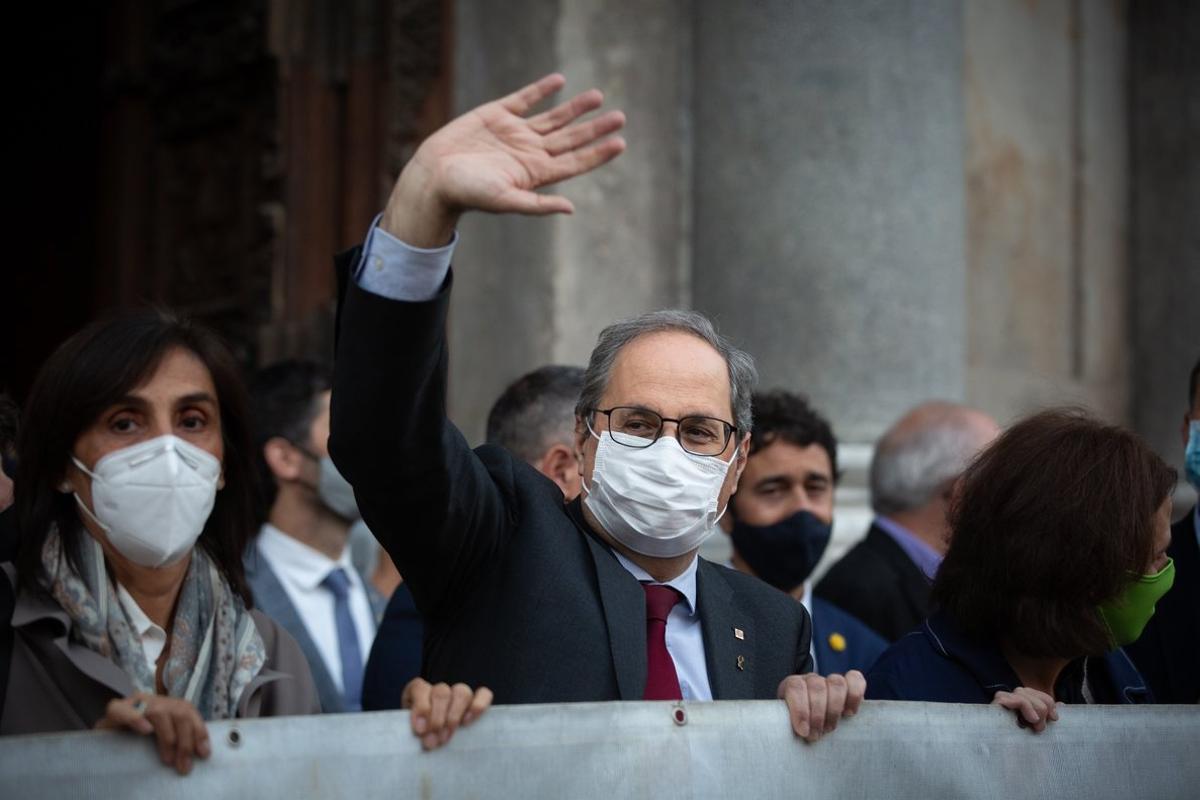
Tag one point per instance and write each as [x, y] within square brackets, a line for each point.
[604, 598]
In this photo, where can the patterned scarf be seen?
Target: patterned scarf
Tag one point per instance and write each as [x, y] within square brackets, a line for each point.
[214, 649]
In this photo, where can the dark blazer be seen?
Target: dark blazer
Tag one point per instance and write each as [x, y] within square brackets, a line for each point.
[396, 653]
[880, 585]
[939, 663]
[842, 641]
[271, 598]
[1168, 652]
[517, 592]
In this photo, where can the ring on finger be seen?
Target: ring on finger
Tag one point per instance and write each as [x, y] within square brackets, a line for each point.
[139, 706]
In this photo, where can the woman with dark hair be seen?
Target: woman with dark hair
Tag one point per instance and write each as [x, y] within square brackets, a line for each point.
[134, 508]
[1058, 555]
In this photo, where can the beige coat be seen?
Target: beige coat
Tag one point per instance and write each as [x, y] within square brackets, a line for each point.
[55, 684]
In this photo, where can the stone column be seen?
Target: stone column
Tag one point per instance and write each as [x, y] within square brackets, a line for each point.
[829, 196]
[1047, 206]
[1165, 301]
[534, 291]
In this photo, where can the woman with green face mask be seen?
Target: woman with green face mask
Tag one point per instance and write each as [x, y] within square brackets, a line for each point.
[1057, 558]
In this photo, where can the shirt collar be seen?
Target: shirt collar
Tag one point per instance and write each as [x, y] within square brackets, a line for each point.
[304, 565]
[684, 583]
[141, 623]
[919, 552]
[806, 600]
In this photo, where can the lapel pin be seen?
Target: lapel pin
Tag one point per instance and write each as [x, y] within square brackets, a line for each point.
[738, 633]
[741, 662]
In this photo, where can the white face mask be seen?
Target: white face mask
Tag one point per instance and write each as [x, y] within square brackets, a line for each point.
[153, 498]
[659, 500]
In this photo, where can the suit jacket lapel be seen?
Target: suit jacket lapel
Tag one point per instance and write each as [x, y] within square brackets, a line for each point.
[914, 585]
[271, 598]
[625, 615]
[624, 605]
[730, 667]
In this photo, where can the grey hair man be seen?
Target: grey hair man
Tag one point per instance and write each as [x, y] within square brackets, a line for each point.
[884, 579]
[534, 419]
[603, 598]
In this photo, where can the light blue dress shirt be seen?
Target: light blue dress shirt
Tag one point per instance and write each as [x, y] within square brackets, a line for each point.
[392, 269]
[925, 557]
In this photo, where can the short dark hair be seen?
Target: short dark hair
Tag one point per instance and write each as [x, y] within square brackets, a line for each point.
[87, 374]
[283, 401]
[783, 415]
[1192, 384]
[1050, 521]
[536, 411]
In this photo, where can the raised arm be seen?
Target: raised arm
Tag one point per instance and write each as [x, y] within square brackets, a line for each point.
[425, 495]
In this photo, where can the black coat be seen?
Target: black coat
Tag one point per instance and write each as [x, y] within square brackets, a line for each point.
[878, 583]
[517, 593]
[1168, 652]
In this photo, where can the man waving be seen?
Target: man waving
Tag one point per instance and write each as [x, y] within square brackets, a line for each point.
[604, 598]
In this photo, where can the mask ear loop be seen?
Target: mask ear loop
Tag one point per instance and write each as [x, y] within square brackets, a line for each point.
[79, 502]
[65, 488]
[587, 420]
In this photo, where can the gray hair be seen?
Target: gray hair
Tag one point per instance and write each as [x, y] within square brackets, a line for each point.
[912, 463]
[536, 411]
[742, 374]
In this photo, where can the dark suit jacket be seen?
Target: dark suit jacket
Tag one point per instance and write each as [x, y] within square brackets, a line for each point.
[396, 653]
[880, 585]
[1168, 652]
[517, 593]
[271, 598]
[841, 641]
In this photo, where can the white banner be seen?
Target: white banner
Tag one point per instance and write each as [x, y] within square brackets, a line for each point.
[720, 750]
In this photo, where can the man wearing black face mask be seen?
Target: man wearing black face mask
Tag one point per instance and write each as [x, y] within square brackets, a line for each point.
[781, 520]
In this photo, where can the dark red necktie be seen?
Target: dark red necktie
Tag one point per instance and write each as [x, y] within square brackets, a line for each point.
[662, 683]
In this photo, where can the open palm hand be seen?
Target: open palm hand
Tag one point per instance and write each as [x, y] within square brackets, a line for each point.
[494, 158]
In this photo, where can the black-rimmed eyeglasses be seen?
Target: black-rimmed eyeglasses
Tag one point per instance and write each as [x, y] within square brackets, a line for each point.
[641, 427]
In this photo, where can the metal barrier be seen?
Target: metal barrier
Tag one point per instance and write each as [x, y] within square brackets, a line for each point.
[618, 750]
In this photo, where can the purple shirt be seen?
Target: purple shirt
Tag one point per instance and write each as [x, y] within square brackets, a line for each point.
[925, 557]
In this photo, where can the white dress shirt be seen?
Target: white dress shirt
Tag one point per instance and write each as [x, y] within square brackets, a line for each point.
[152, 637]
[806, 601]
[685, 639]
[301, 569]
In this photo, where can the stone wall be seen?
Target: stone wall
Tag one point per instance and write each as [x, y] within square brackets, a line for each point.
[1164, 297]
[535, 291]
[1047, 199]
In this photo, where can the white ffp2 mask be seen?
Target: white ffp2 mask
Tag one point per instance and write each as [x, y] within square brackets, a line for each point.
[153, 498]
[660, 500]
